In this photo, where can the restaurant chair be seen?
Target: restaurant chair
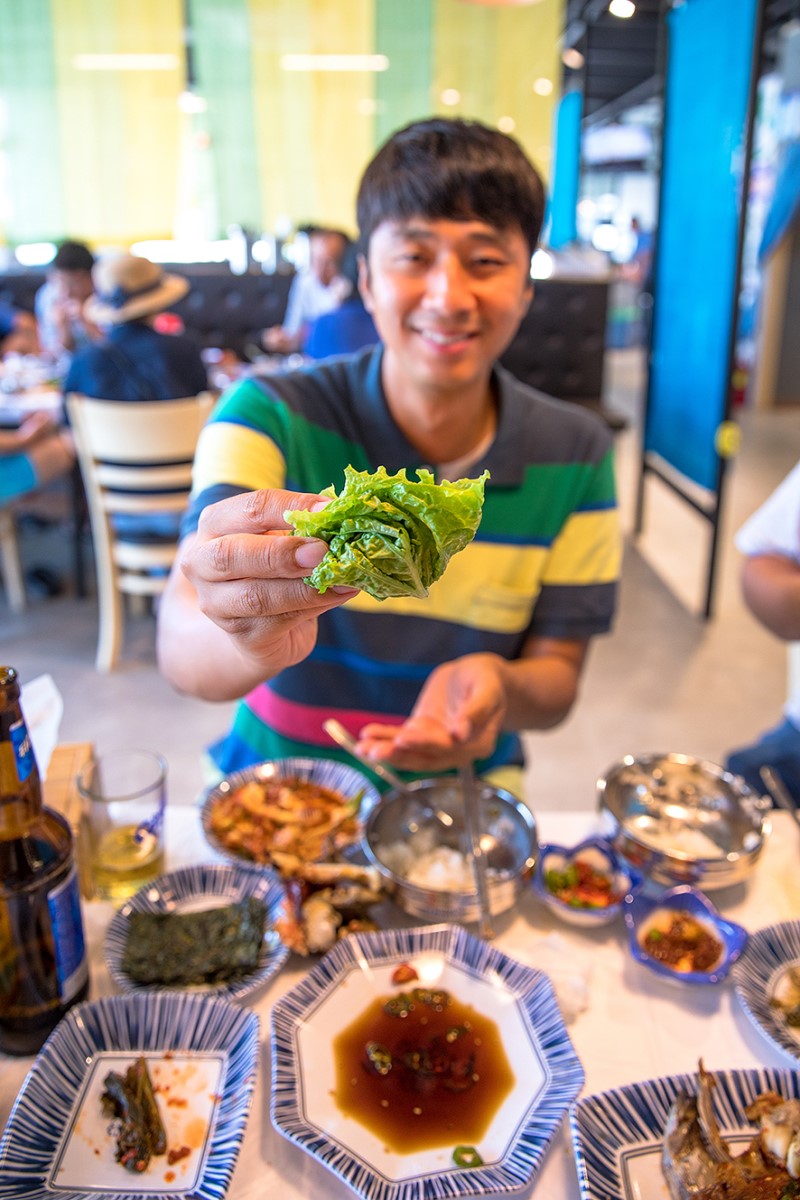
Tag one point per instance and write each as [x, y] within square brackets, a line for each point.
[136, 460]
[10, 561]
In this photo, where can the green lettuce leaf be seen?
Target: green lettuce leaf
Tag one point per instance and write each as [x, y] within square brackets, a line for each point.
[388, 534]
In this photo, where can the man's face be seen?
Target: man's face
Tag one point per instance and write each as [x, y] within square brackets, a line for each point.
[447, 297]
[325, 254]
[74, 285]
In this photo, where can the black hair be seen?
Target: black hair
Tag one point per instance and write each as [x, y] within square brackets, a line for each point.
[73, 256]
[451, 169]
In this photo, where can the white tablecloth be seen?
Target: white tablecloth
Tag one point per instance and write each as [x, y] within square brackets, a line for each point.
[636, 1026]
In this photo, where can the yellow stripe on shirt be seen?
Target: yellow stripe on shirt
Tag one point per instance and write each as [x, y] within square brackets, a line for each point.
[588, 550]
[485, 586]
[234, 454]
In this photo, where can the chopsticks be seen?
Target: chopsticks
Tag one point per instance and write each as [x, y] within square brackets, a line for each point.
[471, 799]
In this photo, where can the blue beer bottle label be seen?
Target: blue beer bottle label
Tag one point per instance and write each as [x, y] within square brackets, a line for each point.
[65, 917]
[23, 749]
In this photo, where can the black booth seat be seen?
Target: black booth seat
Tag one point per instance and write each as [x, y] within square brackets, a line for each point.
[559, 347]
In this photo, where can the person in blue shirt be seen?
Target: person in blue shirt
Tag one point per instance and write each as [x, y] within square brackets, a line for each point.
[347, 328]
[134, 361]
[33, 455]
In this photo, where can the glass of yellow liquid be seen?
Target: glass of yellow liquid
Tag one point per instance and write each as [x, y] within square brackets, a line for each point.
[123, 794]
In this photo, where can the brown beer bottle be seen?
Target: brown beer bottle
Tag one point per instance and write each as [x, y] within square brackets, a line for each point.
[43, 968]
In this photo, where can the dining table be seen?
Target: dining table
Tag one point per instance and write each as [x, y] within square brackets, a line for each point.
[631, 1025]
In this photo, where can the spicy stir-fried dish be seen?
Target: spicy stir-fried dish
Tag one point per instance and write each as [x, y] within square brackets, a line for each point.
[292, 816]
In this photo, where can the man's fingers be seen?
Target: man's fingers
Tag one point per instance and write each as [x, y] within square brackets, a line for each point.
[254, 512]
[275, 555]
[235, 602]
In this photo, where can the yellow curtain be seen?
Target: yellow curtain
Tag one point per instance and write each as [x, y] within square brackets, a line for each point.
[315, 129]
[119, 129]
[491, 56]
[114, 148]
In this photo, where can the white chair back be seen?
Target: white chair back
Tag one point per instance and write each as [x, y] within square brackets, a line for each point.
[136, 460]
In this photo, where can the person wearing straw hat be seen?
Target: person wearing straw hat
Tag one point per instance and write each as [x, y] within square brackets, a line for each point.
[134, 361]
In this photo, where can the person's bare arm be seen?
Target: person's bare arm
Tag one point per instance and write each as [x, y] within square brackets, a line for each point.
[771, 588]
[236, 610]
[465, 704]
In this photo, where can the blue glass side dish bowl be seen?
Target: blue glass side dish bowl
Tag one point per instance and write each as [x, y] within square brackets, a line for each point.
[598, 854]
[656, 918]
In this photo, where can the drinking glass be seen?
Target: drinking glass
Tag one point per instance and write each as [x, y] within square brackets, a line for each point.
[123, 795]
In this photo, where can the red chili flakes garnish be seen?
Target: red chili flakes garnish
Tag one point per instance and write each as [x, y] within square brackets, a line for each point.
[177, 1102]
[169, 1176]
[405, 973]
[174, 1156]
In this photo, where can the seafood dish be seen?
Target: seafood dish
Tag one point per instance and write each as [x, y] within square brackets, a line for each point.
[698, 1163]
[689, 1137]
[324, 902]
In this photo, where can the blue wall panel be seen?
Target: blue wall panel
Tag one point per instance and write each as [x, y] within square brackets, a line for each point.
[707, 88]
[566, 171]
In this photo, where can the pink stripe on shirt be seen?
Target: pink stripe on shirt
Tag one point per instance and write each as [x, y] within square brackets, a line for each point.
[303, 722]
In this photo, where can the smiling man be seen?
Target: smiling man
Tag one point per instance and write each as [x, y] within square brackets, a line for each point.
[449, 215]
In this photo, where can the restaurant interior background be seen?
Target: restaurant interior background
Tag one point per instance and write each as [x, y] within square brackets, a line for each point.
[208, 132]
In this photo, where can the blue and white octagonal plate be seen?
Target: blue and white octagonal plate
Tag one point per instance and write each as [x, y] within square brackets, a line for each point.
[358, 970]
[617, 1136]
[762, 973]
[193, 889]
[201, 1054]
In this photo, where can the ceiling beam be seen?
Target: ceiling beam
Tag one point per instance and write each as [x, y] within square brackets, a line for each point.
[642, 92]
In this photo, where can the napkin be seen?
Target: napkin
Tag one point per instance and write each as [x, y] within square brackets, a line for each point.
[42, 708]
[569, 976]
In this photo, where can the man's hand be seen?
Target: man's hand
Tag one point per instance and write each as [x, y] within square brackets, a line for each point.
[457, 718]
[466, 703]
[241, 576]
[278, 341]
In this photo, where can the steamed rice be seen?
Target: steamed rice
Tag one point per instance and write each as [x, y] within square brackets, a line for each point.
[422, 862]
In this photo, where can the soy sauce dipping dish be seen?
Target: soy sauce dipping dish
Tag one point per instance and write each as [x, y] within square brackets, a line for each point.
[642, 913]
[602, 858]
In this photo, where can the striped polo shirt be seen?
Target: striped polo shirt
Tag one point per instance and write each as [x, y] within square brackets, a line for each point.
[544, 562]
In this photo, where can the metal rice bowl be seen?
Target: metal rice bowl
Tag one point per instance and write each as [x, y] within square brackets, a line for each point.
[508, 840]
[680, 819]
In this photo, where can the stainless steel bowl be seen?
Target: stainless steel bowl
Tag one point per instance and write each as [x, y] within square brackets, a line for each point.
[683, 820]
[431, 810]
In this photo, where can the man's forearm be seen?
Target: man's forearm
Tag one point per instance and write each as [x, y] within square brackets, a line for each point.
[541, 688]
[771, 587]
[195, 655]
